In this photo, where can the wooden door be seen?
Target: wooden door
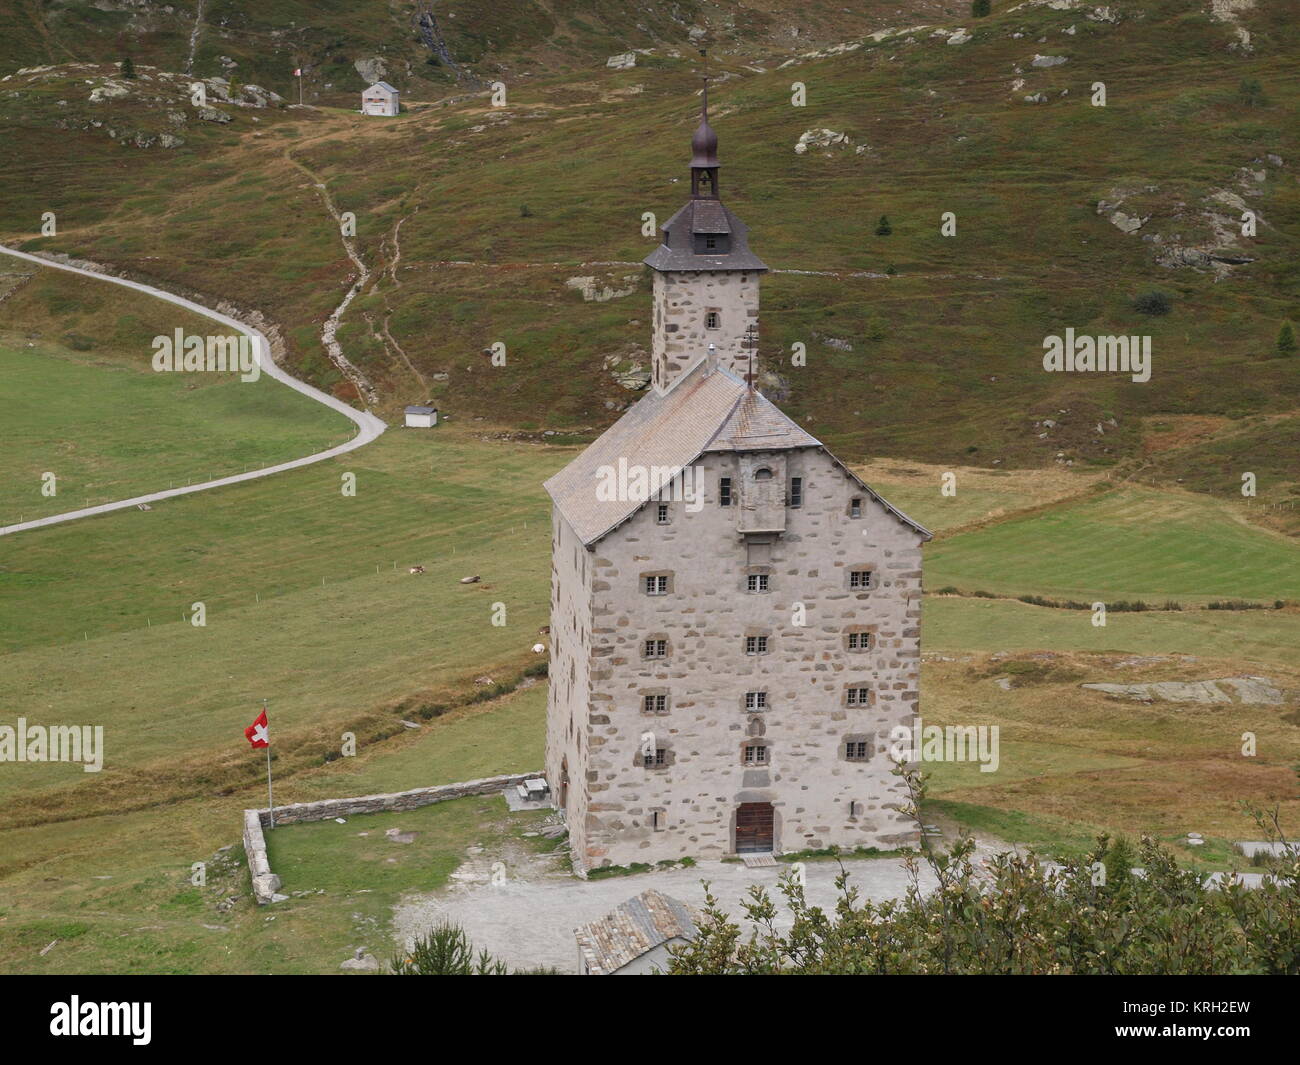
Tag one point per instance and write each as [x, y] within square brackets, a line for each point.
[754, 828]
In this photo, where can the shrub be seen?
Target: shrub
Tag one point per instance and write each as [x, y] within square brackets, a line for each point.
[980, 8]
[883, 228]
[1155, 303]
[127, 67]
[1011, 915]
[1251, 93]
[446, 951]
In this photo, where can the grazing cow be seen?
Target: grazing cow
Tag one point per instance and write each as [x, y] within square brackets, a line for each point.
[417, 569]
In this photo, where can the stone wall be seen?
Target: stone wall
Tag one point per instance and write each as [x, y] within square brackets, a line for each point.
[680, 337]
[265, 882]
[569, 673]
[705, 619]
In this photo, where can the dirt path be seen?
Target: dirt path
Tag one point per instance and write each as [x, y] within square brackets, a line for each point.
[369, 427]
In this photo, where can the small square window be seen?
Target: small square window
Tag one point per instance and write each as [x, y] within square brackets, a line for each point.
[711, 317]
[855, 507]
[857, 696]
[796, 491]
[724, 491]
[755, 645]
[859, 641]
[755, 754]
[860, 578]
[657, 758]
[656, 648]
[857, 751]
[756, 582]
[661, 514]
[755, 700]
[656, 586]
[654, 704]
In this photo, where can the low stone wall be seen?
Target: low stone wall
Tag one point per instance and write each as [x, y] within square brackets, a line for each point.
[266, 884]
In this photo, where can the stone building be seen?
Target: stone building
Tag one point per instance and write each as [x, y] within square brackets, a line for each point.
[735, 617]
[381, 99]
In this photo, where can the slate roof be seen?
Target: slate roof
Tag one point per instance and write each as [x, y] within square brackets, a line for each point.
[382, 85]
[635, 927]
[709, 410]
[421, 410]
[677, 252]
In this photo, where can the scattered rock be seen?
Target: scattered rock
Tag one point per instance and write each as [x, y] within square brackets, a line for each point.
[622, 61]
[371, 69]
[396, 835]
[471, 580]
[1048, 61]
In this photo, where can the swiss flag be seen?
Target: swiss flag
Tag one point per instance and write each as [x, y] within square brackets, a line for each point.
[298, 73]
[258, 733]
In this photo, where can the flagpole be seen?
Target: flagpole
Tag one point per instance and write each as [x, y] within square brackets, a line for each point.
[270, 801]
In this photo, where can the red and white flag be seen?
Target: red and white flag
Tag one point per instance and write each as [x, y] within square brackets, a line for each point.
[298, 72]
[258, 733]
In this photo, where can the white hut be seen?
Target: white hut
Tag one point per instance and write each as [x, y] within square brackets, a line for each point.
[380, 99]
[421, 417]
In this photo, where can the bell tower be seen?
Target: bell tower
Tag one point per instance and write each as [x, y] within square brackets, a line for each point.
[705, 276]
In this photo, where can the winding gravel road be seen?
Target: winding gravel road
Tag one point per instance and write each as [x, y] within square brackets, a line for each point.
[369, 427]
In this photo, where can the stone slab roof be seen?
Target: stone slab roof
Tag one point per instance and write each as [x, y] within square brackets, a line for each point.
[709, 410]
[677, 252]
[382, 85]
[635, 927]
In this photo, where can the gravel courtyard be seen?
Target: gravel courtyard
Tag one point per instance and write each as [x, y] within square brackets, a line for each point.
[529, 919]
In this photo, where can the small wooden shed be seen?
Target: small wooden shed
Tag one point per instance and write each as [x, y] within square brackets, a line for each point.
[421, 417]
[380, 99]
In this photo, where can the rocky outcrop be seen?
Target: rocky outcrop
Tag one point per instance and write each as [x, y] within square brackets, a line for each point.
[1248, 691]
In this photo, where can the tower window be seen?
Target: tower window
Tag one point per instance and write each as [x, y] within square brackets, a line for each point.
[858, 696]
[661, 514]
[857, 751]
[711, 320]
[860, 578]
[755, 700]
[655, 649]
[855, 507]
[724, 491]
[755, 645]
[796, 491]
[756, 582]
[656, 586]
[755, 754]
[656, 759]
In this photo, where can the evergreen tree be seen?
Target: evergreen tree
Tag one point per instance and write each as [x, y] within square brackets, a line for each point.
[128, 67]
[883, 228]
[1286, 339]
[980, 8]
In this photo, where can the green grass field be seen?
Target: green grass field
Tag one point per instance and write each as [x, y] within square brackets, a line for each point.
[1128, 544]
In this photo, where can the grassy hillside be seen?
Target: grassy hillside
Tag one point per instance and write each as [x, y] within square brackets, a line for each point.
[85, 404]
[477, 224]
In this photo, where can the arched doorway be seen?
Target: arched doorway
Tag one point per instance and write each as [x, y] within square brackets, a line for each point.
[755, 828]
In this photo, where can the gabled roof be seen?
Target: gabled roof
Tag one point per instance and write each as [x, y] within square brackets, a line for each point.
[382, 85]
[635, 927]
[421, 410]
[708, 410]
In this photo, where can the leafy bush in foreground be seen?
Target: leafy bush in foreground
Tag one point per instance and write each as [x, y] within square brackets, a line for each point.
[1013, 916]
